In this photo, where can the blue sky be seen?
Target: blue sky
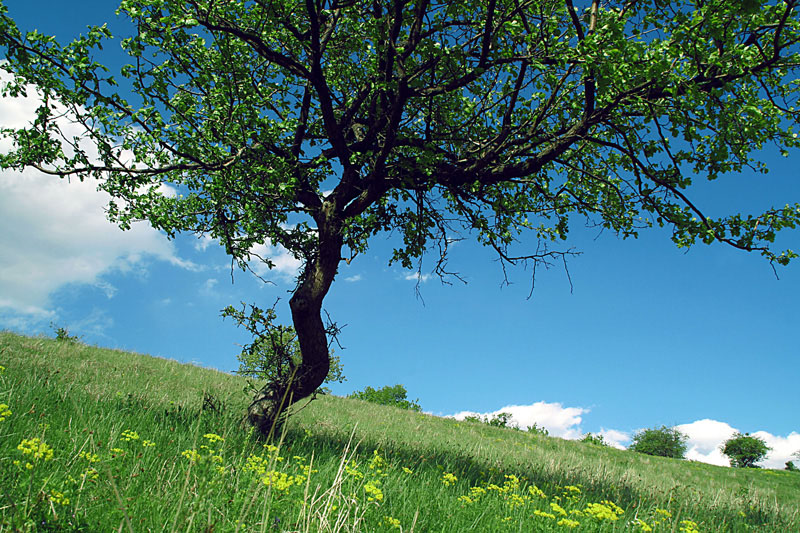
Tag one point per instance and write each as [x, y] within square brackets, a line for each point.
[646, 335]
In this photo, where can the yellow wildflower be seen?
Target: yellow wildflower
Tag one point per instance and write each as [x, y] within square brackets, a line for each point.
[515, 500]
[641, 524]
[392, 522]
[58, 497]
[91, 457]
[664, 514]
[147, 443]
[374, 493]
[129, 435]
[566, 522]
[407, 470]
[536, 491]
[466, 499]
[377, 462]
[280, 481]
[558, 509]
[543, 514]
[37, 448]
[687, 526]
[213, 437]
[192, 455]
[353, 471]
[477, 492]
[448, 479]
[601, 511]
[511, 484]
[5, 412]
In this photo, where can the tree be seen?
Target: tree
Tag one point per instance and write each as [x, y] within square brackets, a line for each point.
[394, 395]
[663, 441]
[317, 125]
[744, 451]
[275, 352]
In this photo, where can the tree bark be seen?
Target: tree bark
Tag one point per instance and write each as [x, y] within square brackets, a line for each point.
[315, 280]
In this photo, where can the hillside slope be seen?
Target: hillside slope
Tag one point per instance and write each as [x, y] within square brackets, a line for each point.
[103, 439]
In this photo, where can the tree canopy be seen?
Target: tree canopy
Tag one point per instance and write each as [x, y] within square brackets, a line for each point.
[745, 451]
[317, 125]
[663, 441]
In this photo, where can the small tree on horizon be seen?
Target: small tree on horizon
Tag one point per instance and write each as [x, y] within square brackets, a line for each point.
[664, 442]
[745, 451]
[395, 395]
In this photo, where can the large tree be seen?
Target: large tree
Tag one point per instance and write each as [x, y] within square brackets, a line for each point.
[316, 125]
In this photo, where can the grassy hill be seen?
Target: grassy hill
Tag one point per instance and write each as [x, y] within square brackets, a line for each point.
[100, 440]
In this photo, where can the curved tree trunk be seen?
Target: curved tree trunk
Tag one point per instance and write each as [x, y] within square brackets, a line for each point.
[306, 304]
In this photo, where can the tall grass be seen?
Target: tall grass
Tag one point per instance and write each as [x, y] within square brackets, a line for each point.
[107, 440]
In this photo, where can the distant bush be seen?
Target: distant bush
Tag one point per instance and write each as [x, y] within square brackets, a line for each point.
[663, 442]
[596, 440]
[62, 334]
[395, 395]
[503, 420]
[744, 451]
[791, 467]
[499, 420]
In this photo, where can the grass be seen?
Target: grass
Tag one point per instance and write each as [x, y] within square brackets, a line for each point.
[99, 439]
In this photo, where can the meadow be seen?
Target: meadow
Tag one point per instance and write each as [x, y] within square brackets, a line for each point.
[93, 439]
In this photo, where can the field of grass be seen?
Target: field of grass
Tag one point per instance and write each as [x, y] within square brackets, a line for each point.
[101, 440]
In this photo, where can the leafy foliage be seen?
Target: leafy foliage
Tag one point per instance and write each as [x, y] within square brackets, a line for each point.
[663, 441]
[744, 451]
[596, 440]
[62, 334]
[274, 353]
[318, 125]
[388, 395]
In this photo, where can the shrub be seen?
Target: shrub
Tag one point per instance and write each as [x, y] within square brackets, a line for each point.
[663, 442]
[62, 334]
[596, 440]
[275, 351]
[791, 467]
[744, 451]
[387, 395]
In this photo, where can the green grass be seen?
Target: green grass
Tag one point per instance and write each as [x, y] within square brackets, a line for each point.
[147, 444]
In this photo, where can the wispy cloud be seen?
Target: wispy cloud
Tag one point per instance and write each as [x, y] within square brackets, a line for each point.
[416, 276]
[353, 279]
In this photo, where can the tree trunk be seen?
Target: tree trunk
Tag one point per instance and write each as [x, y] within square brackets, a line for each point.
[306, 304]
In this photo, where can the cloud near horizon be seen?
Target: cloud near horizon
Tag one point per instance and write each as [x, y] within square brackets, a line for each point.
[705, 437]
[558, 420]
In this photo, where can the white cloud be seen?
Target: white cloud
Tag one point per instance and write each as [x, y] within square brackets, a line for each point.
[558, 420]
[286, 265]
[707, 436]
[203, 242]
[782, 448]
[416, 276]
[55, 233]
[352, 279]
[617, 439]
